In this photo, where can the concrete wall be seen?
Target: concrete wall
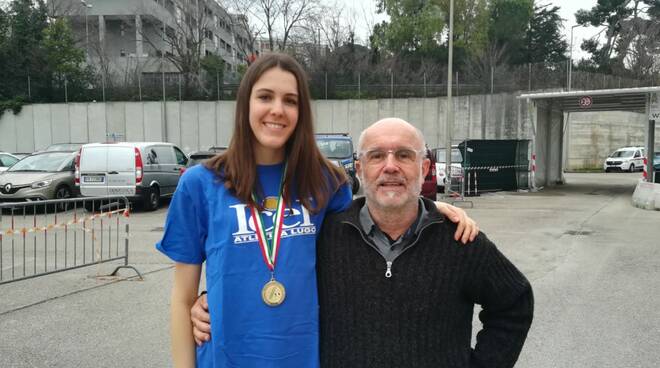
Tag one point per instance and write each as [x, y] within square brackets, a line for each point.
[591, 136]
[197, 125]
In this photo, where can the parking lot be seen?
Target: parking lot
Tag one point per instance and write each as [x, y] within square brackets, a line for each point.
[593, 260]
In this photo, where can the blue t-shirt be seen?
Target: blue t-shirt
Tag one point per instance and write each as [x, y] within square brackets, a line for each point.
[206, 222]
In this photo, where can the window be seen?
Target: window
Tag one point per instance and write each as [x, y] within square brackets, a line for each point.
[122, 53]
[164, 155]
[7, 161]
[181, 159]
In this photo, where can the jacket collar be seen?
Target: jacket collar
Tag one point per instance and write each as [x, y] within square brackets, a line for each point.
[352, 214]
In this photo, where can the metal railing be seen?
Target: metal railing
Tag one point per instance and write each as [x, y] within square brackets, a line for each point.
[44, 237]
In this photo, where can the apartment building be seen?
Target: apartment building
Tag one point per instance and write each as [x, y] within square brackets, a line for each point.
[129, 35]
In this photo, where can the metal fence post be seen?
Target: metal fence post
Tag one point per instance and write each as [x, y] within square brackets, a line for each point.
[424, 84]
[103, 85]
[359, 86]
[326, 85]
[492, 72]
[29, 87]
[139, 78]
[162, 78]
[180, 97]
[217, 82]
[66, 90]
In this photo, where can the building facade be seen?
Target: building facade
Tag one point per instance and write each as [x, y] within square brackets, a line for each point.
[126, 36]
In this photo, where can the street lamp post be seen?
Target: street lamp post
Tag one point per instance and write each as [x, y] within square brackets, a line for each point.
[570, 57]
[87, 6]
[450, 106]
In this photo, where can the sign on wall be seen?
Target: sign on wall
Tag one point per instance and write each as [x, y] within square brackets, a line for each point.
[654, 106]
[585, 102]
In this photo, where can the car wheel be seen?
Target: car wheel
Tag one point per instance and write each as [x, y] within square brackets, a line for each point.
[62, 192]
[631, 168]
[355, 185]
[151, 199]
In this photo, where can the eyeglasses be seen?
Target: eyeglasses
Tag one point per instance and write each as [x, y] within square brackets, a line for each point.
[401, 155]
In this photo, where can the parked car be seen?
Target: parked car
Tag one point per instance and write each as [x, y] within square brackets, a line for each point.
[40, 176]
[338, 148]
[144, 172]
[440, 155]
[20, 155]
[625, 159]
[430, 185]
[6, 160]
[64, 147]
[199, 156]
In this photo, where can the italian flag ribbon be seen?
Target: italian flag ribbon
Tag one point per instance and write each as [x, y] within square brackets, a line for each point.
[270, 247]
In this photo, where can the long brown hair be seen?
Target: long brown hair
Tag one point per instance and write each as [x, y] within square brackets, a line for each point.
[309, 175]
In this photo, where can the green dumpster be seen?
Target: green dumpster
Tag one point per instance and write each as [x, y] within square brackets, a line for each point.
[495, 164]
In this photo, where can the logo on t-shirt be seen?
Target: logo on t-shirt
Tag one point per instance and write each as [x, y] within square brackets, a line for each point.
[297, 221]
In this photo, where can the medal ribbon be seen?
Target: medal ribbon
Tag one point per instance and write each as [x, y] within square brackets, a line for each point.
[269, 249]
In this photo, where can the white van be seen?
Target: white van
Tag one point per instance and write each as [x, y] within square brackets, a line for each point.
[625, 159]
[142, 171]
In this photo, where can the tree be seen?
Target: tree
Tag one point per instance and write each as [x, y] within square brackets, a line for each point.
[510, 20]
[545, 42]
[65, 62]
[415, 27]
[279, 20]
[214, 68]
[629, 29]
[23, 57]
[186, 37]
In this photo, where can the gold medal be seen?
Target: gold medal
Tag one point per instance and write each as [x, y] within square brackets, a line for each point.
[273, 293]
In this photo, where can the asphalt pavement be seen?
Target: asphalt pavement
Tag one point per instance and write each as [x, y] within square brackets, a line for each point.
[592, 258]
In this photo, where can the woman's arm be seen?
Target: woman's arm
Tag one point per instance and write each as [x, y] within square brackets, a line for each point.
[467, 228]
[184, 293]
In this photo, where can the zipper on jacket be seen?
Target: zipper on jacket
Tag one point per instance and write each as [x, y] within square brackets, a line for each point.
[388, 273]
[388, 264]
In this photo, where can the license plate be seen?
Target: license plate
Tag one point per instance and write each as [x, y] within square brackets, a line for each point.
[93, 179]
[121, 191]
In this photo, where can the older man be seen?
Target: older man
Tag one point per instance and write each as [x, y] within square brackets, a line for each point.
[395, 289]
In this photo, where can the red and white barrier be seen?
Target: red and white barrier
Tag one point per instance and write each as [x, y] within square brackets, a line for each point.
[645, 175]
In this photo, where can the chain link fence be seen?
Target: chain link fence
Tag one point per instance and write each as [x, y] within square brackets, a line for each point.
[325, 85]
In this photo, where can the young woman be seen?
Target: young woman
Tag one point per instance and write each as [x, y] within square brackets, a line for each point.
[252, 214]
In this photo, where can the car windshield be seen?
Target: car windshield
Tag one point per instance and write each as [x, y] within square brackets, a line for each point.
[47, 162]
[64, 147]
[622, 154]
[441, 154]
[331, 148]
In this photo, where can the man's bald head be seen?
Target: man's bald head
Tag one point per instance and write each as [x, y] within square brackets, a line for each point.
[393, 126]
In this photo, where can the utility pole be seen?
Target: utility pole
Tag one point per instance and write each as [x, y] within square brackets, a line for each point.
[450, 105]
[87, 7]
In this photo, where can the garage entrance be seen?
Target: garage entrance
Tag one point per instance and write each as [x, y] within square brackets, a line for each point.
[548, 121]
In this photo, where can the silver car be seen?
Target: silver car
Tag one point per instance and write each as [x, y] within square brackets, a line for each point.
[6, 160]
[41, 176]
